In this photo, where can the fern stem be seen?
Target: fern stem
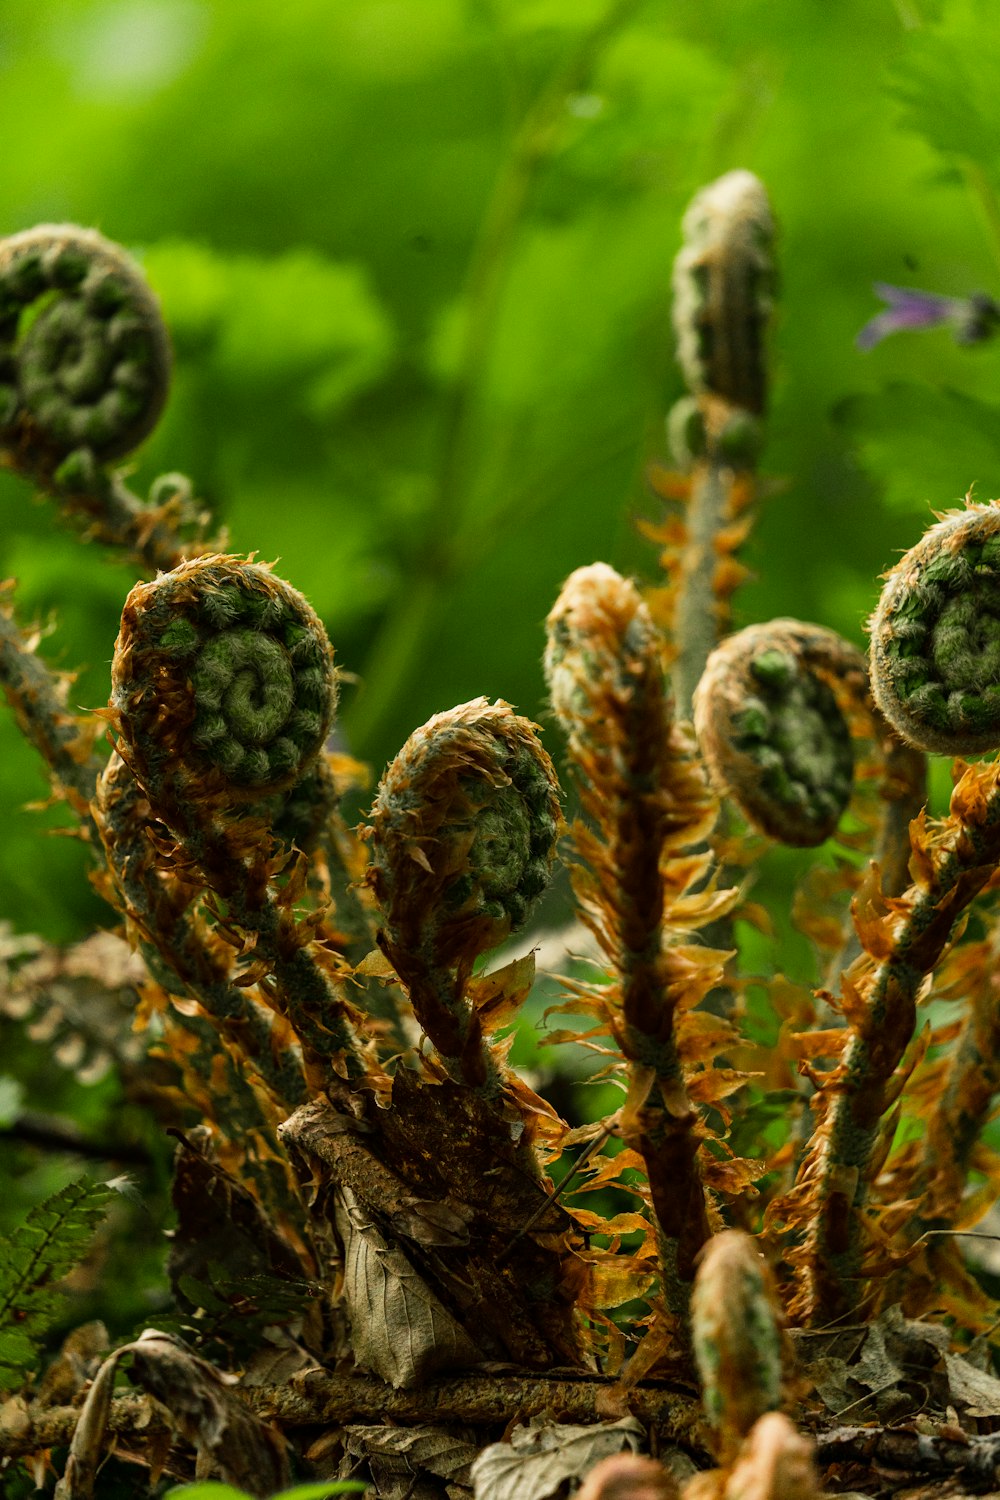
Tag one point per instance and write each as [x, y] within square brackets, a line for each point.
[646, 796]
[700, 616]
[149, 534]
[37, 695]
[178, 946]
[971, 1083]
[902, 944]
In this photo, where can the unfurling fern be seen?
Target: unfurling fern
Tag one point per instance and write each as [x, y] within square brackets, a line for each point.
[88, 373]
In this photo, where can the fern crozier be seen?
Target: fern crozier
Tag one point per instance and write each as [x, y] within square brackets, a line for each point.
[935, 636]
[223, 682]
[771, 729]
[84, 354]
[723, 290]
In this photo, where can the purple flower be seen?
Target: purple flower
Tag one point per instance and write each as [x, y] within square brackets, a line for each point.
[973, 318]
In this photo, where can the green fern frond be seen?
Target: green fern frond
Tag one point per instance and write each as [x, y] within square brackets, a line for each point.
[53, 1239]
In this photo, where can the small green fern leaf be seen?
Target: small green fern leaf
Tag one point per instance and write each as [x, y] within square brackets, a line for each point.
[53, 1239]
[945, 81]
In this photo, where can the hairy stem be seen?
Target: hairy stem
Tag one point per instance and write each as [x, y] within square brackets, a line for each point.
[648, 801]
[697, 620]
[173, 939]
[903, 945]
[38, 697]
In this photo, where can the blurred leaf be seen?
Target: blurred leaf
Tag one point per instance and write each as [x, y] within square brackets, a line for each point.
[946, 81]
[297, 325]
[929, 447]
[11, 1099]
[539, 1459]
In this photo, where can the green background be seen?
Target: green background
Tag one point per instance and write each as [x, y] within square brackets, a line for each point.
[415, 256]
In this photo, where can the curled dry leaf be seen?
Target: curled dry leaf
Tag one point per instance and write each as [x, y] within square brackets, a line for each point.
[402, 1462]
[232, 1444]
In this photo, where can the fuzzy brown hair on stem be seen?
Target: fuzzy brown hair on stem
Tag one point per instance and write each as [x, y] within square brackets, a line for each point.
[647, 800]
[902, 939]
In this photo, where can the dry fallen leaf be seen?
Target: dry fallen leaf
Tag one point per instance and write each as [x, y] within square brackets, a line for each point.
[399, 1328]
[541, 1457]
[407, 1463]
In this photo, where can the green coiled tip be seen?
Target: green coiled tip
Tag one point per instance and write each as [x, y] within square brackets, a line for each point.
[771, 729]
[935, 636]
[724, 291]
[223, 683]
[463, 831]
[84, 354]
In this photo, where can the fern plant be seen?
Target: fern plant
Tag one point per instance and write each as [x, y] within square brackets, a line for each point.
[393, 1260]
[53, 1240]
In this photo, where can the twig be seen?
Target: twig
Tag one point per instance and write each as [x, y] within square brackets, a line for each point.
[53, 1134]
[973, 1458]
[318, 1399]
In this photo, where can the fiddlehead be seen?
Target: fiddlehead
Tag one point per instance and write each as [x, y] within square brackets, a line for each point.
[723, 291]
[223, 691]
[736, 1327]
[463, 835]
[772, 730]
[84, 356]
[936, 636]
[648, 803]
[223, 686]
